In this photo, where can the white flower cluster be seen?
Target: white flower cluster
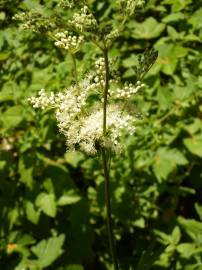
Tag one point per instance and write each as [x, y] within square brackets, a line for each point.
[84, 130]
[68, 42]
[66, 3]
[88, 132]
[127, 91]
[81, 130]
[83, 19]
[70, 3]
[111, 37]
[32, 20]
[69, 107]
[129, 6]
[43, 101]
[26, 22]
[68, 104]
[20, 16]
[97, 77]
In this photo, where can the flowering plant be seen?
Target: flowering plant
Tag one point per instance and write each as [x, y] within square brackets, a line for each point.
[92, 127]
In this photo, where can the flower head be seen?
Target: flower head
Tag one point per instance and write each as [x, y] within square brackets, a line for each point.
[87, 134]
[81, 122]
[83, 20]
[68, 41]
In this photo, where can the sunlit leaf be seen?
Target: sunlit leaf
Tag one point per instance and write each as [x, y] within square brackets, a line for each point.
[47, 251]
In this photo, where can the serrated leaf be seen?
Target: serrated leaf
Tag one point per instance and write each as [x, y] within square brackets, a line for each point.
[173, 17]
[186, 250]
[25, 240]
[70, 197]
[176, 235]
[131, 61]
[32, 214]
[194, 145]
[46, 202]
[73, 158]
[166, 160]
[194, 127]
[193, 228]
[166, 61]
[177, 5]
[150, 28]
[164, 238]
[198, 210]
[173, 33]
[13, 116]
[26, 170]
[47, 251]
[196, 19]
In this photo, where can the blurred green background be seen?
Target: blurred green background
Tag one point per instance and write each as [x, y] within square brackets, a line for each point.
[51, 201]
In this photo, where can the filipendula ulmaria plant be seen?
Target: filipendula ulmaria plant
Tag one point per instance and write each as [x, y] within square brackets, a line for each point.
[94, 128]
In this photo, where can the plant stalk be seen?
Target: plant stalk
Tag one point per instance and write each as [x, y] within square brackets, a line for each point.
[106, 167]
[75, 68]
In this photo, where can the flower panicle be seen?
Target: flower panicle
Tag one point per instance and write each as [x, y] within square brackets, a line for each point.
[87, 133]
[81, 123]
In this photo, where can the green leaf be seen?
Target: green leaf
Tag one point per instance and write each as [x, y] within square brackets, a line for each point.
[25, 169]
[194, 127]
[176, 235]
[193, 228]
[46, 202]
[2, 16]
[196, 266]
[3, 56]
[131, 61]
[32, 214]
[163, 238]
[166, 160]
[166, 61]
[186, 250]
[173, 33]
[168, 56]
[25, 240]
[173, 17]
[177, 5]
[48, 250]
[13, 116]
[69, 197]
[74, 267]
[164, 97]
[150, 28]
[198, 210]
[2, 164]
[196, 19]
[73, 158]
[194, 144]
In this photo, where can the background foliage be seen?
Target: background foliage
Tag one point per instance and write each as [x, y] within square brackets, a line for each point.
[52, 202]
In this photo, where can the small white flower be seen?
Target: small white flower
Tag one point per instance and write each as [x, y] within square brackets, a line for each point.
[127, 91]
[68, 41]
[83, 19]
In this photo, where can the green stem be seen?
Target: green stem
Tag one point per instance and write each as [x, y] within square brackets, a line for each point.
[75, 68]
[106, 167]
[106, 89]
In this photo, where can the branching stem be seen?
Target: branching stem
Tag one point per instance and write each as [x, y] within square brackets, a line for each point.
[106, 167]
